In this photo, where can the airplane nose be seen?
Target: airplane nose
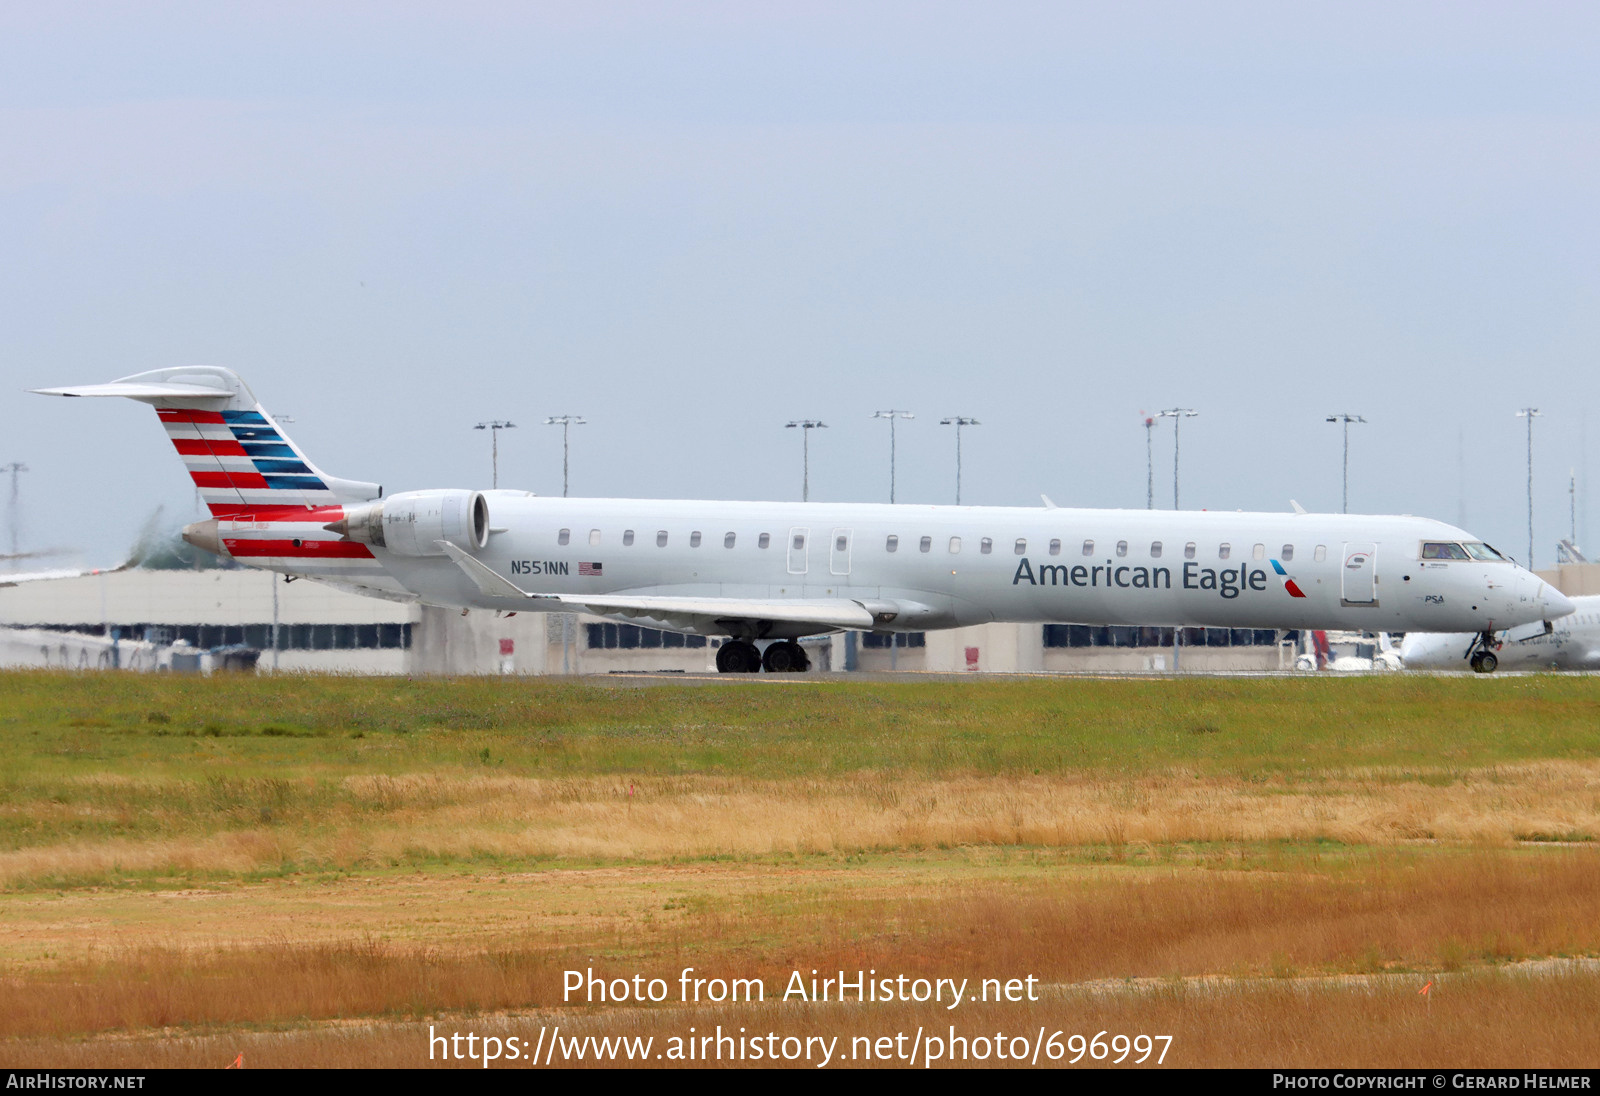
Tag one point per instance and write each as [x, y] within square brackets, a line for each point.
[1556, 604]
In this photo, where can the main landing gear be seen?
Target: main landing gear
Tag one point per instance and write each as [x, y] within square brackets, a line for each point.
[1482, 657]
[738, 656]
[786, 658]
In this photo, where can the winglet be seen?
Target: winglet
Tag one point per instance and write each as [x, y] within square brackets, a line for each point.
[1297, 507]
[487, 580]
[1048, 505]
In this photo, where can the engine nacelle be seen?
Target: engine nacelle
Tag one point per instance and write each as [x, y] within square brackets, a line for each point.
[413, 522]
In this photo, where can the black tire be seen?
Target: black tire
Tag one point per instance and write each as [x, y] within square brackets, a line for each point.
[727, 659]
[786, 658]
[779, 658]
[744, 659]
[1485, 663]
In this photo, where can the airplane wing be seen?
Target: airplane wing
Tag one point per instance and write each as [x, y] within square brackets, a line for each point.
[18, 578]
[1527, 631]
[690, 613]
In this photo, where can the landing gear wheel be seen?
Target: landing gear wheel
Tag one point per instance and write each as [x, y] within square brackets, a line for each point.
[1482, 658]
[785, 658]
[738, 657]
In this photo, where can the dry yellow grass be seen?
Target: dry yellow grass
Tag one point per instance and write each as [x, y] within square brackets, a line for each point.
[392, 819]
[1468, 1024]
[1207, 857]
[473, 943]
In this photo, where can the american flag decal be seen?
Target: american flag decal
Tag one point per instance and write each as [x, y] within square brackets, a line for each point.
[589, 569]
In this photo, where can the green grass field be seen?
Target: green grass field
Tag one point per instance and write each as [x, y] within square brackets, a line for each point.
[59, 724]
[240, 854]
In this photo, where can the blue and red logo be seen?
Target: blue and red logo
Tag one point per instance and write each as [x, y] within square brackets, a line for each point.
[1288, 583]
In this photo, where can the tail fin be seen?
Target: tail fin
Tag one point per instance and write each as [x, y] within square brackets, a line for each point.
[242, 463]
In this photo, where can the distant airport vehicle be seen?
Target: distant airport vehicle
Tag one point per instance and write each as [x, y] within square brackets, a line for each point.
[777, 571]
[1347, 652]
[1572, 644]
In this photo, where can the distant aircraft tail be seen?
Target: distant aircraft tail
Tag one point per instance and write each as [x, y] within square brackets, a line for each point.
[242, 463]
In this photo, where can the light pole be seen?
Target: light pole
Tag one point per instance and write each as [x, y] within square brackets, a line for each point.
[1530, 413]
[14, 468]
[958, 421]
[1177, 415]
[1149, 463]
[566, 422]
[891, 415]
[1347, 419]
[805, 427]
[494, 426]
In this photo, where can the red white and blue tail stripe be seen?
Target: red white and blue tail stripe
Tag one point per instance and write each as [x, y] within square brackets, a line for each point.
[243, 465]
[268, 500]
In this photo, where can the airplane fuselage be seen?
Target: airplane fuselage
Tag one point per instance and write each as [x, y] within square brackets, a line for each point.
[953, 566]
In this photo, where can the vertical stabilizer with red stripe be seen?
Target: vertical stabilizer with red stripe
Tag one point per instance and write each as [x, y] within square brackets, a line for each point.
[268, 501]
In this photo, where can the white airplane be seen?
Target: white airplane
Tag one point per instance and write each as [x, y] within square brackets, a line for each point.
[1573, 644]
[777, 571]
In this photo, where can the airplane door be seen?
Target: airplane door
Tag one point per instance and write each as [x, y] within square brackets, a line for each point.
[839, 552]
[1358, 577]
[798, 550]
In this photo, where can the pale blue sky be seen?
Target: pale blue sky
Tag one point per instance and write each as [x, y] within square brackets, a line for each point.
[693, 222]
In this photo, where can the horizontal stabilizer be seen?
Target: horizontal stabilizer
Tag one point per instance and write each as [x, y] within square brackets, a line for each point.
[144, 391]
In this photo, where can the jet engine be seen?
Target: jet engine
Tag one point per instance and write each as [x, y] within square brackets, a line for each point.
[413, 522]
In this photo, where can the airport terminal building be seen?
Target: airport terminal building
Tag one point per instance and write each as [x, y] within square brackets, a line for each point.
[136, 619]
[139, 619]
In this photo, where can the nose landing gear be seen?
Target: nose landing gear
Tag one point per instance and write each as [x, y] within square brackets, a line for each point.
[1482, 657]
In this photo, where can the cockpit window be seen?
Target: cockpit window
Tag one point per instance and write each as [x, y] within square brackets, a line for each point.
[1435, 549]
[1479, 550]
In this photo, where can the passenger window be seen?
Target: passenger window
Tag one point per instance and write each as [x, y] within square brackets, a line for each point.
[1259, 551]
[1055, 547]
[841, 543]
[764, 540]
[694, 539]
[564, 537]
[661, 539]
[1224, 550]
[892, 544]
[1321, 553]
[728, 541]
[799, 541]
[1088, 547]
[594, 536]
[1122, 547]
[1155, 549]
[955, 545]
[925, 544]
[1188, 550]
[1021, 547]
[986, 545]
[1288, 552]
[627, 538]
